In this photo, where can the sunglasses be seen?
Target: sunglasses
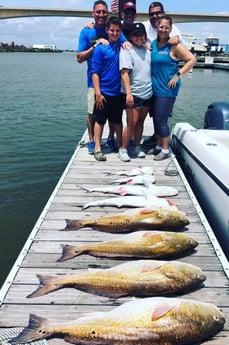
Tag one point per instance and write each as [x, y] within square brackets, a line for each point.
[101, 12]
[151, 14]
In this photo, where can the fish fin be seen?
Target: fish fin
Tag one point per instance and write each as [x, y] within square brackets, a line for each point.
[72, 224]
[151, 233]
[130, 181]
[47, 284]
[68, 252]
[151, 266]
[147, 210]
[160, 311]
[37, 329]
[123, 192]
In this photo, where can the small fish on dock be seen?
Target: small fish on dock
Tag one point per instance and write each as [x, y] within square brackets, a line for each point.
[139, 179]
[159, 191]
[132, 220]
[136, 278]
[139, 244]
[150, 201]
[152, 320]
[133, 172]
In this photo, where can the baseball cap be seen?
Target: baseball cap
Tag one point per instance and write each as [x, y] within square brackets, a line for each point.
[138, 27]
[128, 5]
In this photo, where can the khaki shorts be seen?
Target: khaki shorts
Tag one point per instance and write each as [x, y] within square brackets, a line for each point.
[90, 100]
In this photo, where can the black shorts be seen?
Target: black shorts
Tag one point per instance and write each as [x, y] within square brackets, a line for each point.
[138, 102]
[112, 110]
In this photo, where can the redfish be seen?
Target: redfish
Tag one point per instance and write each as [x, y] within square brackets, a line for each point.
[147, 321]
[133, 220]
[139, 244]
[134, 278]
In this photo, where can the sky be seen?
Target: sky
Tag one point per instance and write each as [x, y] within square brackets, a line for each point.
[64, 31]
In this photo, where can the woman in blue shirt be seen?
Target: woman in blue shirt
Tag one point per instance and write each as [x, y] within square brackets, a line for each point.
[166, 81]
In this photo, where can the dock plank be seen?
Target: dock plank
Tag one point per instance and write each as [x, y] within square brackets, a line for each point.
[41, 252]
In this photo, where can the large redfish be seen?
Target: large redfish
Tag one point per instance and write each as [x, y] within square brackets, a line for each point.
[147, 321]
[139, 244]
[134, 278]
[132, 220]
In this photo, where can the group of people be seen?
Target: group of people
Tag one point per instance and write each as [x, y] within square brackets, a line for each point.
[132, 66]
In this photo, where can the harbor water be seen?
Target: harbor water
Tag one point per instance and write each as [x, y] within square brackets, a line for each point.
[42, 118]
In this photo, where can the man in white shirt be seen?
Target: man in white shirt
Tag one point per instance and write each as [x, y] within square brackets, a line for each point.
[156, 10]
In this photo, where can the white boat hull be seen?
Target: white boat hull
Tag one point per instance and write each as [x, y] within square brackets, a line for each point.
[204, 157]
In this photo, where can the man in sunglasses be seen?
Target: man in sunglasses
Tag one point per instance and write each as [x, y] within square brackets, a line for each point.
[156, 10]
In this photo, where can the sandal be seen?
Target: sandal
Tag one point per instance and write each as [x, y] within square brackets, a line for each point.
[99, 156]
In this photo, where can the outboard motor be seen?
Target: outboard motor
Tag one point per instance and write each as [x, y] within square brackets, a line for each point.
[217, 116]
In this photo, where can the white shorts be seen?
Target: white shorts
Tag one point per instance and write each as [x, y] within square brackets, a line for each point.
[90, 100]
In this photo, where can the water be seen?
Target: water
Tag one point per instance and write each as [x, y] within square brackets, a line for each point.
[42, 118]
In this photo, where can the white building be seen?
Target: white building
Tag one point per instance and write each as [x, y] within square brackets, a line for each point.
[44, 46]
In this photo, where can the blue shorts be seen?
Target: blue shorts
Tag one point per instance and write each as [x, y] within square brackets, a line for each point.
[112, 110]
[138, 102]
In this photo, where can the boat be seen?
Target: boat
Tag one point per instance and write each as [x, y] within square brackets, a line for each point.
[191, 43]
[203, 155]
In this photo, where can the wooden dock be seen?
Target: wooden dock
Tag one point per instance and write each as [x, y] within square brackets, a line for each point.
[43, 246]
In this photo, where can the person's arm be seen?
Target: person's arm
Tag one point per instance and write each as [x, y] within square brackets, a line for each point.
[180, 52]
[99, 98]
[84, 55]
[126, 83]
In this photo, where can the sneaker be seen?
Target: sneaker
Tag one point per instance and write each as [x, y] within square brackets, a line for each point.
[161, 156]
[138, 152]
[112, 144]
[150, 141]
[154, 151]
[91, 147]
[123, 155]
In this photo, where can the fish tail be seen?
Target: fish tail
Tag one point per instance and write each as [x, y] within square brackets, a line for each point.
[47, 284]
[72, 224]
[83, 207]
[37, 329]
[68, 252]
[84, 188]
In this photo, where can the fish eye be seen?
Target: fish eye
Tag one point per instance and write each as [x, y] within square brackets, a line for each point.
[216, 318]
[93, 333]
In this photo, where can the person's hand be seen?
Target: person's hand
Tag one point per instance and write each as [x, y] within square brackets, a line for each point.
[99, 101]
[103, 41]
[129, 101]
[126, 45]
[172, 83]
[89, 25]
[174, 40]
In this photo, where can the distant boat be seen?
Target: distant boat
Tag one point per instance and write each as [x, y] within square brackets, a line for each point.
[192, 44]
